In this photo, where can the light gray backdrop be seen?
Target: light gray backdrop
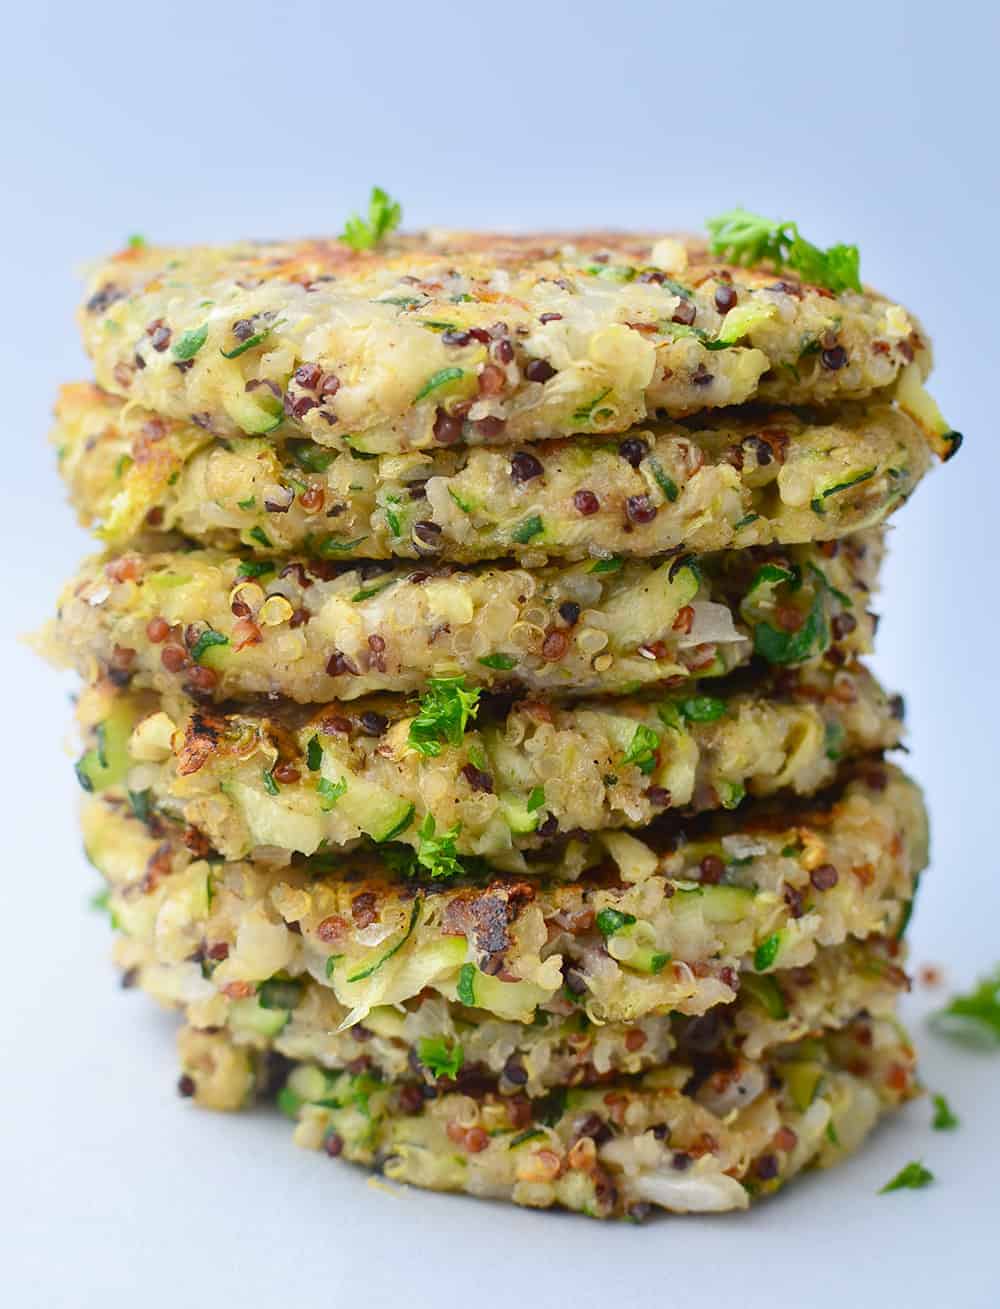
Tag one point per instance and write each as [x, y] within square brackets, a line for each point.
[866, 122]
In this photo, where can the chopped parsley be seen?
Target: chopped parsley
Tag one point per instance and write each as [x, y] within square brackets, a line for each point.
[914, 1177]
[445, 710]
[441, 1056]
[501, 662]
[311, 457]
[279, 993]
[255, 568]
[191, 342]
[747, 239]
[536, 799]
[695, 709]
[612, 565]
[260, 536]
[973, 1018]
[384, 216]
[642, 749]
[314, 754]
[205, 642]
[437, 853]
[945, 1120]
[270, 785]
[248, 503]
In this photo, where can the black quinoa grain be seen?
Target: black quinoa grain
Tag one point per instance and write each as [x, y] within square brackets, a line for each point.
[524, 467]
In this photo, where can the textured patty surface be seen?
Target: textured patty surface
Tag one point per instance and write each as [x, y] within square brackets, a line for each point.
[733, 480]
[474, 337]
[302, 779]
[621, 927]
[698, 1135]
[313, 631]
[445, 1045]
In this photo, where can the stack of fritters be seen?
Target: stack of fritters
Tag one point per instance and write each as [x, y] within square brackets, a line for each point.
[477, 745]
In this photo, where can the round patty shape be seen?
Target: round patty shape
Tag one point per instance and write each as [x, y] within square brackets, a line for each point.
[700, 1139]
[620, 926]
[732, 480]
[312, 631]
[301, 779]
[482, 338]
[447, 1045]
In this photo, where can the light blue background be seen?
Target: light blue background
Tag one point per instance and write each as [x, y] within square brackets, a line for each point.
[866, 122]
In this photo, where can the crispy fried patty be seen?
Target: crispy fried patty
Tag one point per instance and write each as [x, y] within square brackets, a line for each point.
[438, 338]
[312, 631]
[730, 481]
[618, 926]
[302, 779]
[700, 1134]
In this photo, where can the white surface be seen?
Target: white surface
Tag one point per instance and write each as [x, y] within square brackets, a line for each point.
[871, 122]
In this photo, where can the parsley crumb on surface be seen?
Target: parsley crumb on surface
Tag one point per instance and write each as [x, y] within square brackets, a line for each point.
[384, 216]
[914, 1177]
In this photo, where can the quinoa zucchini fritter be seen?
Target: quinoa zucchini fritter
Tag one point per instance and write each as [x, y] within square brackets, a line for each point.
[313, 631]
[444, 337]
[451, 777]
[706, 1132]
[620, 926]
[732, 480]
[447, 1044]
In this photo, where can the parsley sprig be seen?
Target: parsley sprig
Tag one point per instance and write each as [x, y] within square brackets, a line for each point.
[973, 1018]
[384, 216]
[914, 1177]
[441, 1056]
[437, 852]
[444, 712]
[747, 239]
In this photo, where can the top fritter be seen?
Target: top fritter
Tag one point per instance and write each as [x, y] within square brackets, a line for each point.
[438, 338]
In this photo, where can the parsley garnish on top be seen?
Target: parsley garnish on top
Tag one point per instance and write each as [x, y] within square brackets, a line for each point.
[973, 1018]
[384, 216]
[945, 1118]
[437, 853]
[748, 239]
[444, 712]
[914, 1177]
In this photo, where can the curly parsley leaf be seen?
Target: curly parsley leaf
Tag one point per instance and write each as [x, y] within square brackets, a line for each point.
[437, 852]
[914, 1177]
[642, 749]
[441, 1056]
[384, 216]
[746, 238]
[973, 1018]
[444, 712]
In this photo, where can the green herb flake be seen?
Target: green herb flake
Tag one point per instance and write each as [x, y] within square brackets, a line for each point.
[205, 642]
[270, 785]
[329, 792]
[501, 662]
[945, 1119]
[914, 1177]
[330, 545]
[610, 921]
[191, 342]
[466, 987]
[441, 1056]
[137, 241]
[314, 754]
[445, 710]
[612, 565]
[279, 993]
[973, 1018]
[443, 377]
[642, 749]
[747, 239]
[367, 592]
[249, 503]
[437, 851]
[702, 708]
[311, 457]
[536, 798]
[255, 568]
[526, 531]
[260, 536]
[384, 216]
[767, 952]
